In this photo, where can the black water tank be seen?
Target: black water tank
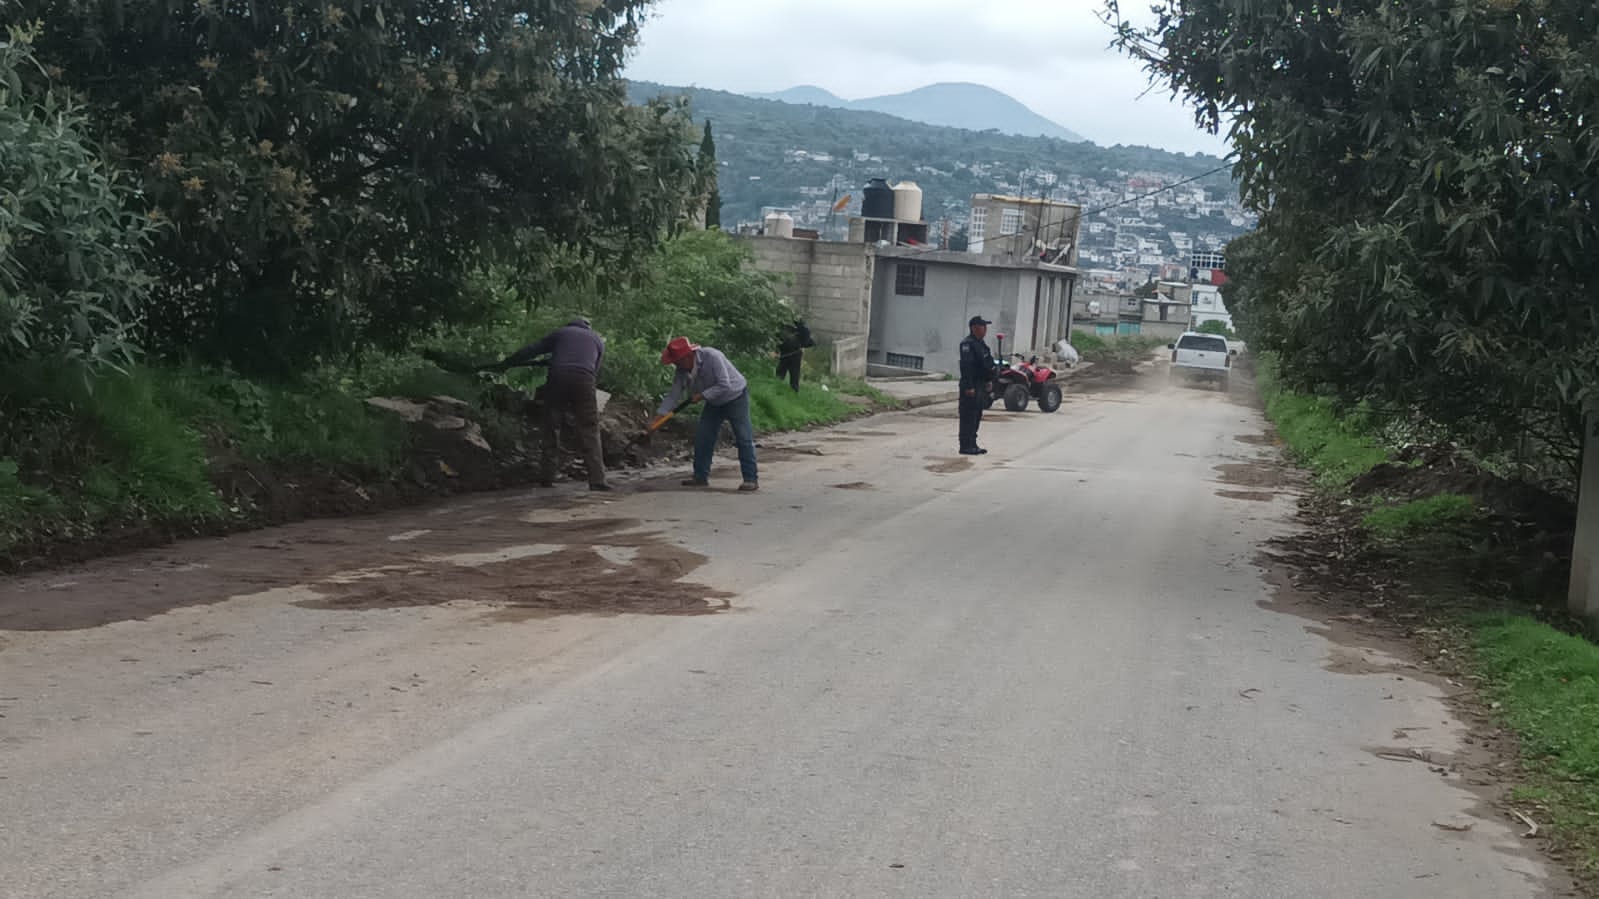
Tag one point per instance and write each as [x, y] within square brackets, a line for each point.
[878, 202]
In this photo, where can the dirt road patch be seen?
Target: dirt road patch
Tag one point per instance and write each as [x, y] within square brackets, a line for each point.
[324, 557]
[949, 466]
[638, 578]
[854, 485]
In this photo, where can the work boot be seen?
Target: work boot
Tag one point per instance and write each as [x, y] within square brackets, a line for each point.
[545, 482]
[696, 482]
[974, 451]
[601, 487]
[749, 487]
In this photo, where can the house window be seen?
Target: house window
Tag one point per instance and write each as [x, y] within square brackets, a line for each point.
[1010, 222]
[910, 279]
[900, 360]
[978, 224]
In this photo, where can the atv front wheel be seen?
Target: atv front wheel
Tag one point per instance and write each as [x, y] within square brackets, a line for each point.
[1049, 398]
[1016, 398]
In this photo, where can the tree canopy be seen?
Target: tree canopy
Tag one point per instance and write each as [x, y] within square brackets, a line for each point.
[327, 173]
[1427, 174]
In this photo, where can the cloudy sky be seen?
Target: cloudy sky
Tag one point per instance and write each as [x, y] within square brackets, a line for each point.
[1050, 54]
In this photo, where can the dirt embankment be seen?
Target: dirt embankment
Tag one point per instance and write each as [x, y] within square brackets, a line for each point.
[454, 447]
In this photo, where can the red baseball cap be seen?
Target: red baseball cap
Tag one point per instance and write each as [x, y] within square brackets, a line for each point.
[677, 350]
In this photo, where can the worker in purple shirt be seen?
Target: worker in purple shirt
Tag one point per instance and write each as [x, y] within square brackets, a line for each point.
[705, 375]
[575, 353]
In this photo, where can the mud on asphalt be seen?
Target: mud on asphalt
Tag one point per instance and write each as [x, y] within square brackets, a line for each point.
[476, 553]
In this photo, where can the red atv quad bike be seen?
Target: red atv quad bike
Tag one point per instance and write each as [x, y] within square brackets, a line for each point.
[1019, 384]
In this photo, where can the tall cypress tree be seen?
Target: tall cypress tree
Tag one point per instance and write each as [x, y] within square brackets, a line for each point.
[708, 188]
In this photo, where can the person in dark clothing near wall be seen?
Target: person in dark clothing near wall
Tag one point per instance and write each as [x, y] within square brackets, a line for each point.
[791, 347]
[977, 369]
[575, 353]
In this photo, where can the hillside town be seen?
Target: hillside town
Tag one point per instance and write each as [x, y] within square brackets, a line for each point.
[1138, 226]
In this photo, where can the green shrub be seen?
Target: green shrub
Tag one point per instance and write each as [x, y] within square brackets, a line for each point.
[72, 280]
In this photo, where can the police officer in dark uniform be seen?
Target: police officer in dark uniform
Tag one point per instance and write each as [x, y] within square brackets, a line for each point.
[977, 369]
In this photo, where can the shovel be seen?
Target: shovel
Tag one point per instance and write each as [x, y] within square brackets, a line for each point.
[659, 420]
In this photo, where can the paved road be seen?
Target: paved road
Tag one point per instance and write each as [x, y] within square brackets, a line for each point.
[1046, 674]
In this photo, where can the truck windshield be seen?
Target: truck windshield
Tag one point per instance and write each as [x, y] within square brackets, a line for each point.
[1198, 342]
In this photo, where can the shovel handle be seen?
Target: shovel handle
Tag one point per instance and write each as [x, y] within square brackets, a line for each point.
[657, 421]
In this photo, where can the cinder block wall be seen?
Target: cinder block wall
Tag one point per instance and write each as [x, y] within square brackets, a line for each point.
[830, 283]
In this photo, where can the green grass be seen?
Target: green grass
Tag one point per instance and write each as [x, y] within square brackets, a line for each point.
[1338, 448]
[78, 455]
[1433, 513]
[83, 453]
[774, 406]
[1546, 684]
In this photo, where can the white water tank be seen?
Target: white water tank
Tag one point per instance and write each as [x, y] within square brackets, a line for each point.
[779, 224]
[907, 202]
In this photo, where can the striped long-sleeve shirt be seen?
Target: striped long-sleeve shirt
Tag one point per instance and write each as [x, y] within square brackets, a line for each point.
[713, 377]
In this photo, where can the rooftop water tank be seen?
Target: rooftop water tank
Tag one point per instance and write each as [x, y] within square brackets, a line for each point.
[878, 202]
[779, 224]
[907, 202]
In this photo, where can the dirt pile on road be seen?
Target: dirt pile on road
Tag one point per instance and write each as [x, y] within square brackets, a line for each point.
[640, 578]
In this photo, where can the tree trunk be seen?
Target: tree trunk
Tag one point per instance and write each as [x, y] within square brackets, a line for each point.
[1585, 549]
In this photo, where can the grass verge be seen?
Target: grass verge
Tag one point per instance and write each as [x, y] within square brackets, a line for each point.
[1546, 685]
[1337, 448]
[78, 456]
[774, 406]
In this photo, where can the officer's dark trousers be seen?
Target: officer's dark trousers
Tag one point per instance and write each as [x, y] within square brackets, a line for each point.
[789, 367]
[971, 408]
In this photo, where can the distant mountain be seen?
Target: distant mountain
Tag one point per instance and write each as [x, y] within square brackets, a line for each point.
[952, 105]
[807, 93]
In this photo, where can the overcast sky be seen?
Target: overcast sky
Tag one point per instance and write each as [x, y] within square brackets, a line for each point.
[1050, 54]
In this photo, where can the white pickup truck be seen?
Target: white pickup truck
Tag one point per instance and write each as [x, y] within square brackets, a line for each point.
[1197, 355]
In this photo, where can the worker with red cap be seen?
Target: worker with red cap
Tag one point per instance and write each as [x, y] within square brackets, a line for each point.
[706, 375]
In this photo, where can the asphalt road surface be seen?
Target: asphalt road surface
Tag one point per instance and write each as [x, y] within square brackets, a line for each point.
[1052, 671]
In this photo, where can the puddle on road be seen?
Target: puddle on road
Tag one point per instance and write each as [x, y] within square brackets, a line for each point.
[1255, 475]
[854, 485]
[1251, 495]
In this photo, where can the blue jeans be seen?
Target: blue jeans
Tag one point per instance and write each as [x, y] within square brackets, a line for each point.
[737, 413]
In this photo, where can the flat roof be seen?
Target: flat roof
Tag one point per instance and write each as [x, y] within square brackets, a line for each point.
[1031, 201]
[976, 260]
